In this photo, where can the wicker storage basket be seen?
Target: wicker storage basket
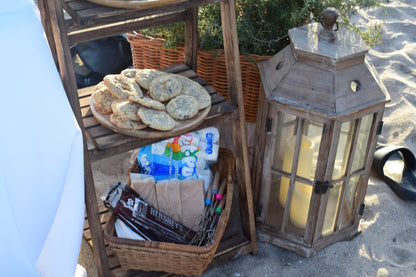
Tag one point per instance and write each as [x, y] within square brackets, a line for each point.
[149, 53]
[170, 257]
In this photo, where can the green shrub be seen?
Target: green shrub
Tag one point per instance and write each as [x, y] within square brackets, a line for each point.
[263, 25]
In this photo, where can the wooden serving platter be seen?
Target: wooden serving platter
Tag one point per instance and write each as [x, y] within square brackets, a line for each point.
[181, 127]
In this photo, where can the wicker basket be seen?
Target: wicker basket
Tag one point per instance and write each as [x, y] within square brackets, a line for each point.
[149, 53]
[170, 257]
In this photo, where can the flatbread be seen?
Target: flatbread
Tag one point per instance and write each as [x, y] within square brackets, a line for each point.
[121, 86]
[194, 89]
[125, 110]
[103, 99]
[182, 107]
[126, 124]
[145, 76]
[165, 88]
[158, 120]
[147, 102]
[192, 196]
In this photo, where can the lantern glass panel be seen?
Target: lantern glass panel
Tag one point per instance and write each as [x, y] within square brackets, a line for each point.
[286, 149]
[286, 127]
[306, 167]
[362, 142]
[331, 209]
[274, 209]
[347, 216]
[299, 208]
[343, 149]
[296, 143]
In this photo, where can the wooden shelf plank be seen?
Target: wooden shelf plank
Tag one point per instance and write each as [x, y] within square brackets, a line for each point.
[89, 21]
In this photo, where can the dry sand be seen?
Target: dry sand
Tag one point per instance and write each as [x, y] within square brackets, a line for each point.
[387, 245]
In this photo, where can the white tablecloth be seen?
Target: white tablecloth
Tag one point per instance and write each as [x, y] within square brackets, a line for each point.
[41, 154]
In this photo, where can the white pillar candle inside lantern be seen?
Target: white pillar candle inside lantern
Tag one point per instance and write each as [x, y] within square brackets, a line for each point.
[302, 193]
[300, 204]
[321, 113]
[304, 165]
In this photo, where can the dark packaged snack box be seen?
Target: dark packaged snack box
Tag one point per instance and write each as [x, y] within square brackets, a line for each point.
[143, 218]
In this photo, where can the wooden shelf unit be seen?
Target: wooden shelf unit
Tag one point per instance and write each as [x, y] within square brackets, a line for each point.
[67, 22]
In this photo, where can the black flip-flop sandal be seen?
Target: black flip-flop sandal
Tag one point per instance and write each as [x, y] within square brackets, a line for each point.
[406, 187]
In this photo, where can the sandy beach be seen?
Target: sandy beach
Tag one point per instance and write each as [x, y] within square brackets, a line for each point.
[387, 244]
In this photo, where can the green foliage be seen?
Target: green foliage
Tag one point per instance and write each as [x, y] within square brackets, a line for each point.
[263, 25]
[174, 34]
[209, 27]
[372, 36]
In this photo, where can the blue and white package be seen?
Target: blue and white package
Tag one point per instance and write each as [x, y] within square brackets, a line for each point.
[209, 144]
[180, 157]
[209, 134]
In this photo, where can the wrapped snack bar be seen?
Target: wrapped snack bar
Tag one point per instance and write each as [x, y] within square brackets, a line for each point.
[143, 218]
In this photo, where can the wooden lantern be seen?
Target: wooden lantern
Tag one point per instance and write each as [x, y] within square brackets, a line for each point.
[320, 114]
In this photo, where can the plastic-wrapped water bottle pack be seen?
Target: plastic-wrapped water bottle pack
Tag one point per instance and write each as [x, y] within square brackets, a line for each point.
[182, 157]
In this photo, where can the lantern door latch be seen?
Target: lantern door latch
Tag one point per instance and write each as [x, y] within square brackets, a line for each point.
[361, 211]
[268, 125]
[322, 187]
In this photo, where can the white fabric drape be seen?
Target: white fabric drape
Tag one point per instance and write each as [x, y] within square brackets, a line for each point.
[41, 157]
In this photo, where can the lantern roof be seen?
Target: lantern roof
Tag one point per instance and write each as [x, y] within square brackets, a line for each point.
[346, 49]
[323, 71]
